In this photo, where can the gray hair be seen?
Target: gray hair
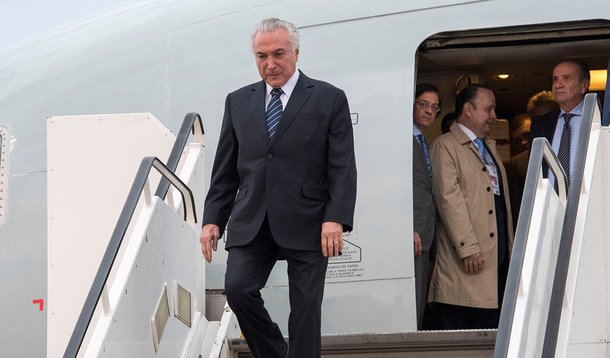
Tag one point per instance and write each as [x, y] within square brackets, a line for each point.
[272, 24]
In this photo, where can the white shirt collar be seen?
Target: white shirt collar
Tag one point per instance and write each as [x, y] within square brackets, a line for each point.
[288, 87]
[468, 132]
[416, 131]
[576, 110]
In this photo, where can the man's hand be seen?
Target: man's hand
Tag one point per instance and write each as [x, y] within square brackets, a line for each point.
[417, 248]
[474, 263]
[209, 240]
[332, 239]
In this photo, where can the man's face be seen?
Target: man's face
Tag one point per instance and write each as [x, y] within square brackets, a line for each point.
[275, 59]
[425, 109]
[480, 114]
[568, 86]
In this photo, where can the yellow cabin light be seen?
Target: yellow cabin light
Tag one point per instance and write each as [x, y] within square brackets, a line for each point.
[598, 80]
[503, 76]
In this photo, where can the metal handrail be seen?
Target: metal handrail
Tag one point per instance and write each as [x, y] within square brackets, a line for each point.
[541, 150]
[567, 231]
[191, 123]
[97, 287]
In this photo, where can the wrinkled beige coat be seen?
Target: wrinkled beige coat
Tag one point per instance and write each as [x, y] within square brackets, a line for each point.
[466, 208]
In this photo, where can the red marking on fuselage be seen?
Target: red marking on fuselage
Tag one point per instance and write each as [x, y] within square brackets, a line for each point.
[40, 303]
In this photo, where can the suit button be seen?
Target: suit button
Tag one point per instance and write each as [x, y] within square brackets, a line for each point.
[488, 189]
[461, 244]
[491, 212]
[484, 169]
[491, 234]
[269, 155]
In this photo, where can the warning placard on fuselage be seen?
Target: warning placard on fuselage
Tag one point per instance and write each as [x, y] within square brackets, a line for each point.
[348, 265]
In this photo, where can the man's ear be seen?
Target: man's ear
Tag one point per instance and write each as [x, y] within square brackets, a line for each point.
[467, 108]
[585, 86]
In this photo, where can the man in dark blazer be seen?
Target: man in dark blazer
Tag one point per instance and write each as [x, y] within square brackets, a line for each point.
[425, 110]
[286, 188]
[538, 105]
[570, 84]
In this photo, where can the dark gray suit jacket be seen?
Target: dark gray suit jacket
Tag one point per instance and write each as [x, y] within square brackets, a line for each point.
[424, 213]
[544, 126]
[424, 218]
[304, 176]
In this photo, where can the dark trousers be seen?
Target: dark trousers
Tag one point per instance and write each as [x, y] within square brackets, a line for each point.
[462, 317]
[422, 264]
[248, 268]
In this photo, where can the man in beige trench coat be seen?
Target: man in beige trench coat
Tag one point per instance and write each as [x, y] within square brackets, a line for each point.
[475, 231]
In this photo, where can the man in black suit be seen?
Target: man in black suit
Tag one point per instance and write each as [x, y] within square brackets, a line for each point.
[538, 105]
[561, 127]
[285, 174]
[425, 110]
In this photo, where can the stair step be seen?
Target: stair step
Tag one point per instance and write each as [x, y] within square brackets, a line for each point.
[420, 344]
[209, 338]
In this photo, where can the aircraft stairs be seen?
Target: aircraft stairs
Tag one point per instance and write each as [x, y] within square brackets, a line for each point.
[556, 300]
[148, 296]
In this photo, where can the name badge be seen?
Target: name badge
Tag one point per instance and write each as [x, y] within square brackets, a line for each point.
[493, 176]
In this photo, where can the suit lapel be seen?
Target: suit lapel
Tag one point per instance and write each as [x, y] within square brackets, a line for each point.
[299, 96]
[257, 102]
[465, 140]
[552, 120]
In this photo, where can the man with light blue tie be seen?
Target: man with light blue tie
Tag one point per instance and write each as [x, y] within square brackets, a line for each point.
[561, 127]
[474, 233]
[425, 110]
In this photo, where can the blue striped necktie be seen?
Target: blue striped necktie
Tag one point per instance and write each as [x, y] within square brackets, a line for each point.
[274, 111]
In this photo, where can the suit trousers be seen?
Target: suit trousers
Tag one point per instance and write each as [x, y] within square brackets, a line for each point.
[248, 268]
[422, 265]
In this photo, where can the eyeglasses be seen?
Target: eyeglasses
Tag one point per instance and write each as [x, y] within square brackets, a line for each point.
[425, 106]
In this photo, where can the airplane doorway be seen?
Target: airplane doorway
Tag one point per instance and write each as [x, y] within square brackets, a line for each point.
[515, 63]
[527, 54]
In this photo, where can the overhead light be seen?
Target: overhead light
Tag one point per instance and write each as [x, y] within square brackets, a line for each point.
[598, 80]
[503, 76]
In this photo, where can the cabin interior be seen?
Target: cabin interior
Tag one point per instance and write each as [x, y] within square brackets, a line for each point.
[527, 54]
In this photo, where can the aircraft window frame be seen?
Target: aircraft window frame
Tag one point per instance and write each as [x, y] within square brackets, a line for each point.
[4, 170]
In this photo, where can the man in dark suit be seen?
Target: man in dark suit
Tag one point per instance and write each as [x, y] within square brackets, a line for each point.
[561, 127]
[285, 174]
[425, 110]
[538, 105]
